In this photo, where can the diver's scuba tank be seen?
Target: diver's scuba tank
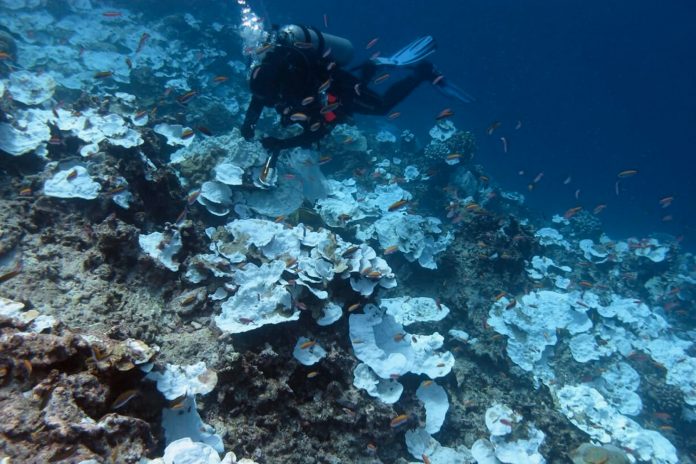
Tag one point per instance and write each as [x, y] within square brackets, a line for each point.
[341, 50]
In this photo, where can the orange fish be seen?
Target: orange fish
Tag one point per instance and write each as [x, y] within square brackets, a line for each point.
[325, 86]
[185, 98]
[396, 205]
[103, 74]
[112, 14]
[141, 43]
[371, 43]
[299, 117]
[666, 201]
[72, 174]
[263, 48]
[329, 108]
[192, 197]
[220, 79]
[399, 420]
[446, 113]
[124, 398]
[627, 173]
[494, 125]
[187, 134]
[381, 78]
[312, 374]
[353, 307]
[374, 275]
[308, 344]
[391, 249]
[350, 251]
[204, 130]
[599, 208]
[572, 212]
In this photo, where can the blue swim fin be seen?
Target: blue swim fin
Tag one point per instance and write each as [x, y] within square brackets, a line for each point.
[411, 53]
[445, 87]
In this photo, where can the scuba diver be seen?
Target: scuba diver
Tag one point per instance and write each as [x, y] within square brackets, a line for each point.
[301, 75]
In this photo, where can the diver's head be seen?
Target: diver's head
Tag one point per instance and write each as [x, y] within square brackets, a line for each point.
[283, 74]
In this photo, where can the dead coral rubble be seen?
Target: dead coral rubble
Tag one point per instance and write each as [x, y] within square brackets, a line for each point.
[61, 395]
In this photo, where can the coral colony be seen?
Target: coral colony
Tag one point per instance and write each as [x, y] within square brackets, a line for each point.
[386, 302]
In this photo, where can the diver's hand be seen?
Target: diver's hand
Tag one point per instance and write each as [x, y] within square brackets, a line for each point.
[271, 144]
[247, 131]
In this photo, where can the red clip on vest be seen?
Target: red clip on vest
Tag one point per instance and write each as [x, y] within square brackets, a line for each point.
[330, 116]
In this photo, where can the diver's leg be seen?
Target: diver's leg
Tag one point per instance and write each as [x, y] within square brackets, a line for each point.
[366, 70]
[402, 89]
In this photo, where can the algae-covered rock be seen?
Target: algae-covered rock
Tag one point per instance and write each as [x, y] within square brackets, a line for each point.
[591, 454]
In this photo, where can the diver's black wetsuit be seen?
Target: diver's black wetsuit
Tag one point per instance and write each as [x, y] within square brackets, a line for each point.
[290, 77]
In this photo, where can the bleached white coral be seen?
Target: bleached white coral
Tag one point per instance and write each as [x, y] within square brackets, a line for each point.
[548, 236]
[259, 300]
[175, 134]
[651, 249]
[387, 390]
[74, 182]
[216, 197]
[28, 133]
[585, 407]
[162, 247]
[177, 381]
[419, 443]
[229, 173]
[443, 130]
[30, 88]
[407, 310]
[181, 384]
[436, 403]
[532, 322]
[417, 237]
[308, 352]
[381, 343]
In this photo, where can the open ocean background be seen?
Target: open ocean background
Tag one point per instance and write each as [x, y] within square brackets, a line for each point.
[599, 87]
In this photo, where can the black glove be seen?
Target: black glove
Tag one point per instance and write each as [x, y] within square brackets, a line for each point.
[271, 144]
[247, 131]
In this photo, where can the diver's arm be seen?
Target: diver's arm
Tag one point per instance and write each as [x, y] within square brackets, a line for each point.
[253, 114]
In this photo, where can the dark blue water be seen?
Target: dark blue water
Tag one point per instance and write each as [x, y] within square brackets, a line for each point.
[599, 88]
